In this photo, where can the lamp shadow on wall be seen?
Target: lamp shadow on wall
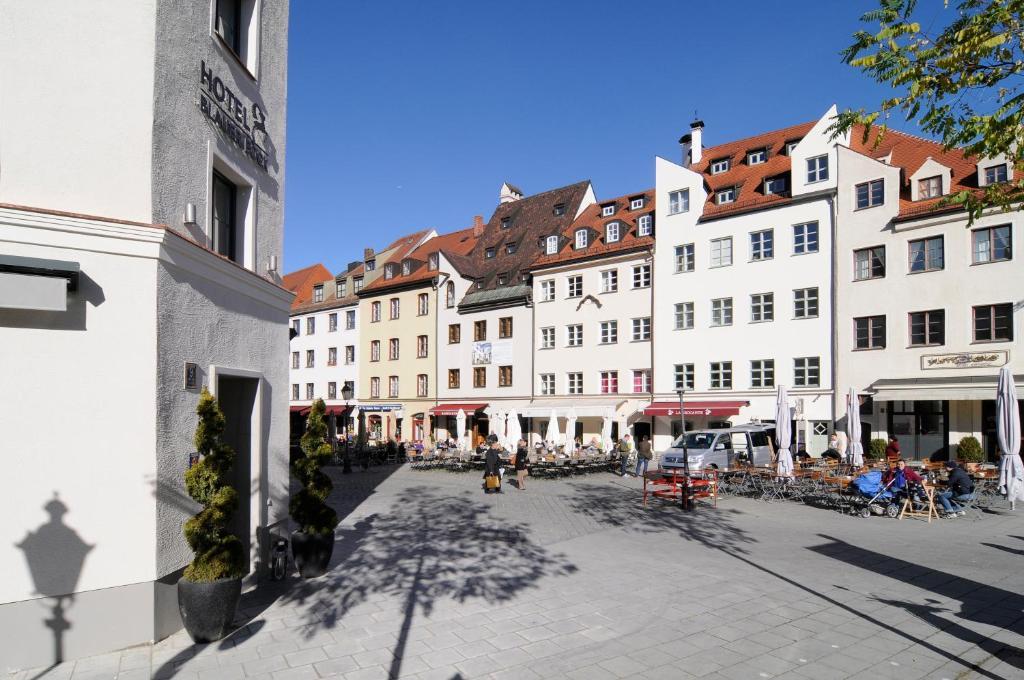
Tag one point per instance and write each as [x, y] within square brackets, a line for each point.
[73, 319]
[55, 555]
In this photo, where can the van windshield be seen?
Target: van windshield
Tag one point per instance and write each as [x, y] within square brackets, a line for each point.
[695, 440]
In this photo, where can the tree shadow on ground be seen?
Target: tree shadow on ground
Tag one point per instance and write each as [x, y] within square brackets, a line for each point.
[426, 549]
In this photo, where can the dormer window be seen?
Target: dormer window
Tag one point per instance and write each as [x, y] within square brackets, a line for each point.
[727, 195]
[790, 146]
[407, 268]
[510, 248]
[357, 284]
[581, 239]
[559, 209]
[318, 293]
[389, 271]
[612, 232]
[929, 187]
[636, 203]
[995, 174]
[720, 165]
[551, 245]
[757, 156]
[643, 225]
[608, 210]
[774, 185]
[432, 262]
[506, 222]
[340, 288]
[371, 265]
[502, 279]
[489, 253]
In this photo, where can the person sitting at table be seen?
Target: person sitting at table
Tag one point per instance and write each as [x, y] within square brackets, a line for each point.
[960, 487]
[892, 451]
[831, 453]
[905, 483]
[802, 454]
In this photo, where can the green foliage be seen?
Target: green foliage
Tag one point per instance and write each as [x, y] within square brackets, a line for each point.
[877, 447]
[961, 84]
[308, 507]
[217, 553]
[969, 450]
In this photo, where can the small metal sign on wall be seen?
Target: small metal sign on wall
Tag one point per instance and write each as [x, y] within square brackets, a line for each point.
[191, 376]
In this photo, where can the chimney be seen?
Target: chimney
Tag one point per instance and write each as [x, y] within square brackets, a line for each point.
[509, 193]
[696, 145]
[684, 143]
[367, 254]
[478, 225]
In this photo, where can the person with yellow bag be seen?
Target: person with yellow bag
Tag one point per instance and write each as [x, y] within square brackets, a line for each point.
[492, 465]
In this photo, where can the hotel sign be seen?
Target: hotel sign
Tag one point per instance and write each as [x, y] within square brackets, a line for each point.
[244, 124]
[992, 359]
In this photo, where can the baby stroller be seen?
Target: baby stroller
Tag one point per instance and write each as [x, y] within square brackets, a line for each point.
[873, 497]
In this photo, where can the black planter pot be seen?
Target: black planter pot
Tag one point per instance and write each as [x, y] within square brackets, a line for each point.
[312, 553]
[207, 609]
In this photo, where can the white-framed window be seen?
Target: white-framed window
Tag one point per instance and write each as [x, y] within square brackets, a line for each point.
[332, 356]
[432, 261]
[547, 290]
[608, 210]
[609, 280]
[406, 267]
[422, 346]
[805, 238]
[449, 294]
[341, 288]
[396, 307]
[574, 286]
[390, 270]
[725, 195]
[574, 335]
[636, 203]
[547, 337]
[422, 304]
[309, 390]
[296, 326]
[350, 354]
[927, 254]
[393, 386]
[641, 380]
[574, 383]
[547, 384]
[870, 194]
[318, 293]
[295, 359]
[581, 239]
[762, 307]
[775, 185]
[370, 265]
[762, 373]
[642, 276]
[762, 245]
[641, 329]
[684, 376]
[612, 232]
[357, 284]
[721, 375]
[805, 303]
[817, 169]
[375, 311]
[332, 322]
[551, 245]
[790, 146]
[807, 372]
[685, 259]
[393, 347]
[721, 312]
[991, 244]
[996, 173]
[310, 358]
[375, 350]
[720, 165]
[756, 156]
[375, 388]
[643, 225]
[721, 252]
[678, 201]
[609, 382]
[310, 325]
[609, 332]
[929, 187]
[422, 385]
[350, 319]
[295, 391]
[332, 390]
[684, 316]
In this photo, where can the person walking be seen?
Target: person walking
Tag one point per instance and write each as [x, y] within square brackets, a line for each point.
[625, 447]
[520, 463]
[492, 463]
[644, 454]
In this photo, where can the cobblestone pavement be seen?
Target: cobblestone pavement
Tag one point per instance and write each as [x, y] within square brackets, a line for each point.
[573, 579]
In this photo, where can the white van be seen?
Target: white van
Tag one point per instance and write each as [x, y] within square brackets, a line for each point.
[721, 448]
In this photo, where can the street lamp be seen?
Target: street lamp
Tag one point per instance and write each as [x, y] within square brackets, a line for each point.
[686, 453]
[346, 462]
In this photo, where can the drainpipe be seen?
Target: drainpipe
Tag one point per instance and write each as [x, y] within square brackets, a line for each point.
[834, 214]
[650, 254]
[438, 285]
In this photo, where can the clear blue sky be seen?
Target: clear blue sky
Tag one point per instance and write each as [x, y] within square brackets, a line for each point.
[408, 115]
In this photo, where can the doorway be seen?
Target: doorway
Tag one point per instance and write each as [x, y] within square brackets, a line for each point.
[641, 430]
[237, 399]
[922, 428]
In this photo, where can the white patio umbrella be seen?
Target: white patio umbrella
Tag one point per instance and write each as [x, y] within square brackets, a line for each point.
[498, 427]
[1011, 470]
[570, 431]
[460, 429]
[783, 434]
[606, 434]
[853, 429]
[513, 430]
[552, 435]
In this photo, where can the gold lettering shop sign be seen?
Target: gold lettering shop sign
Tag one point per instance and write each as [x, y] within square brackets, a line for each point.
[994, 358]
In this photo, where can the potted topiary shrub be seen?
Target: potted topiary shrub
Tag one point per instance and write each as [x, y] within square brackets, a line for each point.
[969, 450]
[209, 589]
[313, 542]
[877, 447]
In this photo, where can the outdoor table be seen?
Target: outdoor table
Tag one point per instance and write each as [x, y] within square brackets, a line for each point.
[929, 511]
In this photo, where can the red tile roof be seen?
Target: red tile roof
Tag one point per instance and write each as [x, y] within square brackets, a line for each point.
[330, 293]
[458, 243]
[301, 282]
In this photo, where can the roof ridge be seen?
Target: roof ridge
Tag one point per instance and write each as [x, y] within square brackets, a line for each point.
[760, 134]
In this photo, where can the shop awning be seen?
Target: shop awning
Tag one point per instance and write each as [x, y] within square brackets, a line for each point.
[695, 408]
[453, 409]
[299, 409]
[337, 410]
[951, 388]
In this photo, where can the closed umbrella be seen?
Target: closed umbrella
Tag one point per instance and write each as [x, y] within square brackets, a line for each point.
[1011, 471]
[498, 426]
[853, 429]
[606, 434]
[460, 429]
[783, 434]
[552, 435]
[513, 430]
[570, 431]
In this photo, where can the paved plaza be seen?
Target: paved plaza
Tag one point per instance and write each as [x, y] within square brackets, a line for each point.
[574, 579]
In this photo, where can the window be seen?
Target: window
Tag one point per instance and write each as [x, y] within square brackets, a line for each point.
[720, 165]
[295, 359]
[357, 284]
[225, 218]
[389, 271]
[422, 304]
[574, 286]
[725, 195]
[332, 390]
[721, 375]
[393, 349]
[332, 356]
[762, 307]
[310, 358]
[995, 174]
[480, 376]
[684, 315]
[547, 384]
[678, 201]
[790, 146]
[805, 303]
[930, 187]
[869, 263]
[774, 185]
[505, 327]
[643, 225]
[350, 354]
[608, 210]
[510, 248]
[762, 373]
[296, 325]
[375, 350]
[311, 325]
[393, 386]
[642, 329]
[927, 254]
[641, 381]
[721, 252]
[318, 293]
[817, 169]
[375, 388]
[332, 322]
[454, 333]
[551, 245]
[506, 222]
[309, 390]
[757, 156]
[870, 194]
[609, 382]
[371, 265]
[991, 244]
[547, 290]
[295, 392]
[574, 383]
[489, 253]
[340, 289]
[721, 312]
[504, 376]
[611, 232]
[581, 239]
[350, 319]
[228, 24]
[395, 306]
[869, 332]
[993, 323]
[685, 259]
[454, 378]
[574, 335]
[559, 209]
[636, 203]
[375, 311]
[422, 385]
[609, 280]
[432, 261]
[684, 376]
[642, 276]
[348, 385]
[928, 328]
[805, 238]
[762, 245]
[807, 372]
[479, 331]
[422, 347]
[547, 337]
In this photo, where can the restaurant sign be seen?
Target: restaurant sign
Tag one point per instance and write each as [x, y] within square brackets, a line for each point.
[993, 359]
[689, 412]
[244, 125]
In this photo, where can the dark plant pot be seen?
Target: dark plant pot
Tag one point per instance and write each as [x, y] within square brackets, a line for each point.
[312, 553]
[207, 609]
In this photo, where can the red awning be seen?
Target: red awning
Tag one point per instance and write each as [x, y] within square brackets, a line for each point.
[695, 408]
[337, 410]
[299, 409]
[453, 409]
